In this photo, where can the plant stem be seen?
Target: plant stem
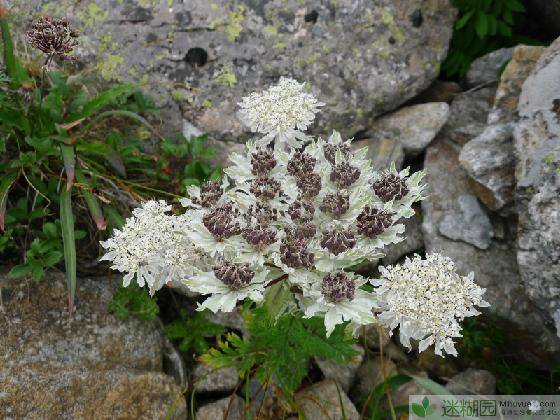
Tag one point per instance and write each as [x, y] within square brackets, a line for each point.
[384, 373]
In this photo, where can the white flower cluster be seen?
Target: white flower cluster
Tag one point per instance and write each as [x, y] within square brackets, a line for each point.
[283, 111]
[292, 220]
[427, 299]
[151, 247]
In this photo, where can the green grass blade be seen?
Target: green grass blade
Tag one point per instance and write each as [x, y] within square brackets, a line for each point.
[69, 158]
[102, 100]
[67, 224]
[92, 202]
[123, 113]
[14, 69]
[6, 182]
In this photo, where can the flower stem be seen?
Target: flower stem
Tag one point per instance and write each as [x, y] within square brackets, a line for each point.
[384, 373]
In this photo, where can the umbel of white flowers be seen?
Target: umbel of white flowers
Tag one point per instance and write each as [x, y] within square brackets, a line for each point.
[287, 222]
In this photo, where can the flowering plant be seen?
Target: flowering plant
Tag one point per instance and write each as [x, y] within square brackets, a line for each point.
[287, 223]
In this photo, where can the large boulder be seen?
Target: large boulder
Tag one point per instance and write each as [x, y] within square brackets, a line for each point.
[489, 158]
[93, 366]
[492, 258]
[537, 148]
[361, 58]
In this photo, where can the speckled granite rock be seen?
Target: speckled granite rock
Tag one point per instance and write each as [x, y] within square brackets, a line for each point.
[207, 379]
[489, 158]
[472, 381]
[537, 148]
[468, 222]
[467, 115]
[414, 127]
[361, 58]
[233, 406]
[94, 366]
[324, 400]
[486, 69]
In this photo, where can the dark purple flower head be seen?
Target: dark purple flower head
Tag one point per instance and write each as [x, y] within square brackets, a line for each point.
[390, 187]
[372, 222]
[301, 210]
[221, 222]
[265, 188]
[259, 236]
[54, 37]
[309, 185]
[294, 253]
[338, 287]
[301, 164]
[335, 203]
[329, 150]
[235, 276]
[338, 241]
[262, 162]
[302, 232]
[210, 193]
[344, 175]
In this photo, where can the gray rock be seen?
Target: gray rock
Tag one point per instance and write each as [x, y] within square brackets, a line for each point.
[361, 59]
[403, 392]
[207, 379]
[495, 268]
[94, 366]
[438, 91]
[325, 400]
[518, 69]
[382, 152]
[486, 69]
[262, 399]
[489, 158]
[173, 364]
[435, 365]
[233, 319]
[490, 161]
[537, 148]
[370, 375]
[468, 222]
[413, 240]
[343, 374]
[233, 406]
[414, 127]
[369, 336]
[472, 381]
[467, 115]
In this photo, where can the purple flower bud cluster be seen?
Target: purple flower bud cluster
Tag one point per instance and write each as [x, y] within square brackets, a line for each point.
[235, 276]
[390, 187]
[210, 193]
[54, 37]
[338, 286]
[221, 221]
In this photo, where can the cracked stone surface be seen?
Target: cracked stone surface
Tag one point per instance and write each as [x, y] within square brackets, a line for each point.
[361, 58]
[95, 366]
[469, 224]
[537, 148]
[414, 127]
